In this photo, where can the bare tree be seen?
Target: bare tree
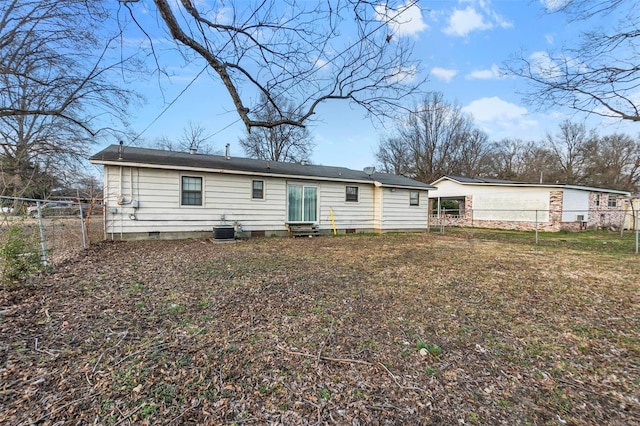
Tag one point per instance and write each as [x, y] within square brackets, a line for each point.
[281, 143]
[437, 139]
[194, 138]
[568, 148]
[525, 161]
[393, 156]
[613, 161]
[600, 75]
[296, 51]
[56, 91]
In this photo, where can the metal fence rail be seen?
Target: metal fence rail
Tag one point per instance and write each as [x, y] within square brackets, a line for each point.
[615, 228]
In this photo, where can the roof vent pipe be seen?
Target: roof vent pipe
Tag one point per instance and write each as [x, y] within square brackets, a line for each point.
[226, 151]
[120, 149]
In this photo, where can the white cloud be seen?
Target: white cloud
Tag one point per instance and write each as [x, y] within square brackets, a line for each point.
[553, 5]
[492, 73]
[543, 65]
[444, 74]
[406, 20]
[501, 119]
[549, 38]
[464, 21]
[404, 75]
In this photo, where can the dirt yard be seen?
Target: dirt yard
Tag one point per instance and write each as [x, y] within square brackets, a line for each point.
[393, 329]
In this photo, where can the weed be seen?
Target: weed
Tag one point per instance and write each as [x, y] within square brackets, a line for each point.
[164, 392]
[148, 410]
[432, 371]
[324, 393]
[204, 304]
[433, 349]
[503, 403]
[18, 257]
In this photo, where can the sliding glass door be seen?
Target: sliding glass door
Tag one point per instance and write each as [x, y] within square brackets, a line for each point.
[302, 203]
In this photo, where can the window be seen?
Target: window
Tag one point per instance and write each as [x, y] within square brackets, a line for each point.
[257, 189]
[191, 191]
[414, 198]
[613, 200]
[352, 193]
[302, 203]
[597, 200]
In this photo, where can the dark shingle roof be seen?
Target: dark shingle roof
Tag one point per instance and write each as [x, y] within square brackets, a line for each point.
[177, 160]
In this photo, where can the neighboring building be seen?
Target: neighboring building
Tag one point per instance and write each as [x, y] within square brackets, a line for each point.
[494, 203]
[152, 193]
[632, 217]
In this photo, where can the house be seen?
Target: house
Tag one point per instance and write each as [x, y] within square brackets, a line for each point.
[151, 193]
[495, 203]
[632, 216]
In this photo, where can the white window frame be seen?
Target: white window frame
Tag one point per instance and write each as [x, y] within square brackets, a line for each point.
[202, 192]
[411, 192]
[264, 186]
[303, 186]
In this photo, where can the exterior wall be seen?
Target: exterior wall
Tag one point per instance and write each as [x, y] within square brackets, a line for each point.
[603, 216]
[632, 211]
[378, 208]
[491, 206]
[398, 215]
[145, 203]
[226, 200]
[575, 203]
[347, 214]
[547, 209]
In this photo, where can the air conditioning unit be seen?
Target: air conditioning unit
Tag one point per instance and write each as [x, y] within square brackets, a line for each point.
[579, 218]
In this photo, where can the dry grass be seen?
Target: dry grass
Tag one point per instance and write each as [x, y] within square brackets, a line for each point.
[394, 329]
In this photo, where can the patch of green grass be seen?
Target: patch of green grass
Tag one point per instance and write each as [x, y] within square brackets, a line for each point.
[148, 410]
[433, 349]
[432, 371]
[164, 392]
[204, 304]
[324, 393]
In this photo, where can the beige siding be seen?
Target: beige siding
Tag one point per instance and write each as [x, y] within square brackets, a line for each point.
[378, 209]
[227, 200]
[397, 214]
[347, 214]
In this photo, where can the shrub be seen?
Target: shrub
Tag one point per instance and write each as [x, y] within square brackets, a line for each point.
[19, 257]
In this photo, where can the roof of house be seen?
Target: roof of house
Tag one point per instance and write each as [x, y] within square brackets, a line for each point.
[500, 182]
[155, 158]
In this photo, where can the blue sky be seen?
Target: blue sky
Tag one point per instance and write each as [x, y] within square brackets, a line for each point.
[461, 44]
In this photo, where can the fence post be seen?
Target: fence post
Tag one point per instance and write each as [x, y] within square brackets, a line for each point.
[43, 240]
[84, 231]
[536, 226]
[637, 226]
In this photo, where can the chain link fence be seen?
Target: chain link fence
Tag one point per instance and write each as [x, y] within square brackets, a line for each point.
[613, 229]
[45, 232]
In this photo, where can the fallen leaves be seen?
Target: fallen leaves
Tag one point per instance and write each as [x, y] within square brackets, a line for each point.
[354, 330]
